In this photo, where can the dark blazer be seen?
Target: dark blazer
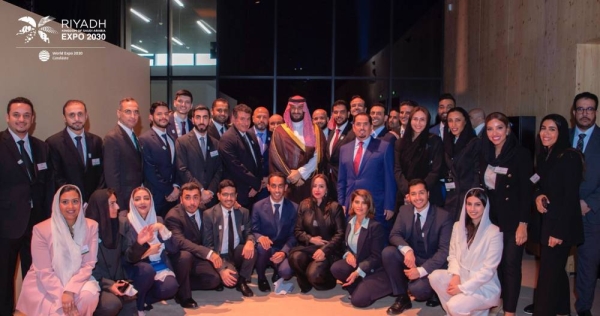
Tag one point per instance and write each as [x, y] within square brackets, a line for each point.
[589, 191]
[68, 167]
[191, 165]
[213, 132]
[214, 224]
[265, 155]
[108, 268]
[17, 190]
[172, 130]
[386, 135]
[463, 168]
[122, 165]
[263, 223]
[376, 174]
[437, 231]
[333, 223]
[239, 165]
[160, 173]
[185, 234]
[333, 156]
[511, 201]
[134, 251]
[369, 246]
[435, 130]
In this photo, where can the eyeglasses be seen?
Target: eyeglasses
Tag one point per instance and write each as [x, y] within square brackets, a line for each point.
[587, 110]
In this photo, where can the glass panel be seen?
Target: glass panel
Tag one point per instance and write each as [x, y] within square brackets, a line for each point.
[246, 38]
[304, 37]
[371, 91]
[204, 91]
[362, 31]
[147, 32]
[316, 92]
[252, 92]
[424, 92]
[158, 91]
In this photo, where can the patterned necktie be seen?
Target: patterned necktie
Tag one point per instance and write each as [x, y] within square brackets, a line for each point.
[203, 146]
[357, 157]
[164, 136]
[135, 141]
[193, 218]
[230, 236]
[80, 149]
[580, 142]
[26, 159]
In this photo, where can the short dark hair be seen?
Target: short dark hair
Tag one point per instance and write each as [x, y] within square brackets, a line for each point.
[71, 102]
[365, 115]
[379, 105]
[356, 96]
[409, 103]
[241, 108]
[340, 102]
[393, 110]
[417, 181]
[226, 183]
[585, 95]
[220, 100]
[200, 107]
[190, 186]
[157, 104]
[184, 93]
[18, 100]
[276, 174]
[447, 96]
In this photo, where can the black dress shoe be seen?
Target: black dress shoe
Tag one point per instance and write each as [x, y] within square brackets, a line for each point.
[275, 277]
[401, 304]
[528, 309]
[244, 288]
[188, 303]
[433, 301]
[219, 288]
[584, 313]
[263, 286]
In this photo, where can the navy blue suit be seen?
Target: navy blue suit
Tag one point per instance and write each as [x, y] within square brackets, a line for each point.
[160, 172]
[376, 174]
[263, 224]
[172, 130]
[588, 253]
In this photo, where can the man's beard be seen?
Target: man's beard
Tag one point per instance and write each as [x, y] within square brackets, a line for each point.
[297, 120]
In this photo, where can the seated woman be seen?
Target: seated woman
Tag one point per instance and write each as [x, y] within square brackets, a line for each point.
[361, 271]
[109, 272]
[470, 286]
[63, 249]
[148, 242]
[320, 234]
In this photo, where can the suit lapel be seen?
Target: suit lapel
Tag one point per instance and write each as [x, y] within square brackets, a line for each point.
[191, 137]
[367, 155]
[238, 223]
[428, 222]
[220, 223]
[14, 150]
[68, 142]
[594, 141]
[361, 240]
[127, 138]
[189, 221]
[159, 141]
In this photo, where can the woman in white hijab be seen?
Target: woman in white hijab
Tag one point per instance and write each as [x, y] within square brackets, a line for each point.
[64, 249]
[470, 286]
[148, 242]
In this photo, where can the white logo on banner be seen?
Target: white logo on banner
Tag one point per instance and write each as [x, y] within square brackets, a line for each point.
[38, 28]
[44, 55]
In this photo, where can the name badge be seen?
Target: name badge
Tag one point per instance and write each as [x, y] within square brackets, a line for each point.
[164, 148]
[450, 186]
[220, 227]
[85, 249]
[315, 224]
[89, 155]
[534, 178]
[214, 153]
[20, 162]
[501, 170]
[242, 228]
[42, 166]
[95, 161]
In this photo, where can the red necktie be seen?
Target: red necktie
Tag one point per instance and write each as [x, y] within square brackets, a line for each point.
[357, 157]
[336, 137]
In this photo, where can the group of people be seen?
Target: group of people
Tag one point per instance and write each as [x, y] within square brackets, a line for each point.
[382, 203]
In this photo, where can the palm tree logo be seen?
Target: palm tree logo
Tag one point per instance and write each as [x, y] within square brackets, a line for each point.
[39, 28]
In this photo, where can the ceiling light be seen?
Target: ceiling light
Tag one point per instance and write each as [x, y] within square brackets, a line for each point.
[177, 41]
[141, 16]
[139, 48]
[204, 28]
[179, 3]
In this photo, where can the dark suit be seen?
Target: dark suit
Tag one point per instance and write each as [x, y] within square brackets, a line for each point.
[193, 270]
[281, 233]
[214, 229]
[436, 130]
[385, 134]
[160, 172]
[463, 169]
[193, 167]
[588, 253]
[437, 231]
[333, 156]
[376, 174]
[24, 202]
[239, 165]
[213, 132]
[68, 167]
[172, 130]
[265, 160]
[122, 165]
[375, 284]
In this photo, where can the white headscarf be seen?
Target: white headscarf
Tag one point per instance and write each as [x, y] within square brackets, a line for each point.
[66, 259]
[484, 224]
[138, 222]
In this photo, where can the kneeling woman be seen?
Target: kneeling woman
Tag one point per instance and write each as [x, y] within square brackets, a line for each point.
[470, 286]
[63, 249]
[361, 270]
[148, 241]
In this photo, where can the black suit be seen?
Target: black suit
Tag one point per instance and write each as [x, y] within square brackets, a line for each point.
[333, 156]
[190, 264]
[68, 167]
[160, 172]
[265, 160]
[172, 129]
[24, 202]
[193, 167]
[122, 165]
[213, 132]
[239, 165]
